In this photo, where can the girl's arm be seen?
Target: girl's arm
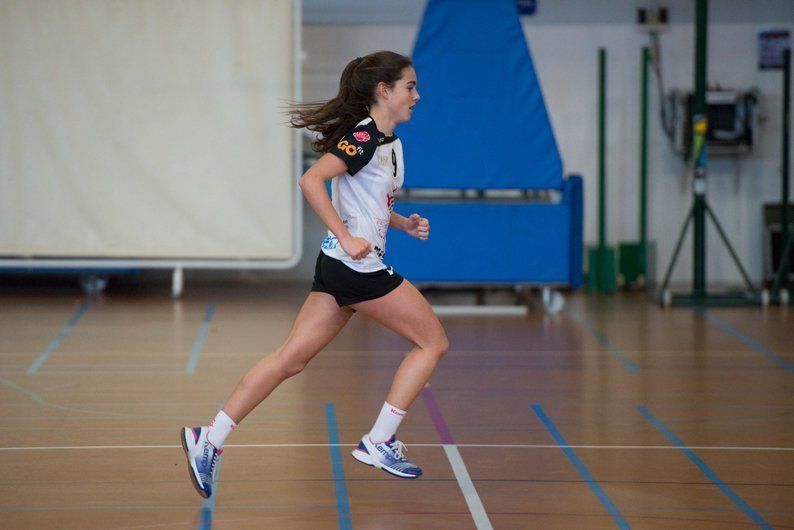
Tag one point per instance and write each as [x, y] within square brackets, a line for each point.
[415, 225]
[397, 221]
[312, 183]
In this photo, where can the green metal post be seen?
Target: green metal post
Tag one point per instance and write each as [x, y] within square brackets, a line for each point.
[781, 278]
[601, 259]
[700, 127]
[633, 256]
[785, 234]
[602, 119]
[644, 159]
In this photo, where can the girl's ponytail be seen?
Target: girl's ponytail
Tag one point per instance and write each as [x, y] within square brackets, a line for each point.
[335, 117]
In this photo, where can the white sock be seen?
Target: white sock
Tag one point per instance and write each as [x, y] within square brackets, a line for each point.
[219, 429]
[387, 423]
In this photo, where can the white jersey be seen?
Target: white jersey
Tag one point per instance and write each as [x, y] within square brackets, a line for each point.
[363, 196]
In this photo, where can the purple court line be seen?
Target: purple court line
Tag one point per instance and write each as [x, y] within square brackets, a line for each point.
[467, 488]
[435, 414]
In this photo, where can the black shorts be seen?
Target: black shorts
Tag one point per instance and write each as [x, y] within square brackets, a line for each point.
[348, 286]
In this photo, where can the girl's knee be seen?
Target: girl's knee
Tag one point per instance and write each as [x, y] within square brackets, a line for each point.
[438, 346]
[290, 365]
[293, 367]
[442, 345]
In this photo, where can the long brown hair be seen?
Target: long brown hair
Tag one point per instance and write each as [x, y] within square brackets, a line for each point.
[335, 117]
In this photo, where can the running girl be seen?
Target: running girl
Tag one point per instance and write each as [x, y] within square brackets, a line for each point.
[364, 158]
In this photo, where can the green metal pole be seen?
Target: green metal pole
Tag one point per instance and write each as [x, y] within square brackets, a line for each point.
[602, 83]
[781, 277]
[601, 259]
[700, 127]
[644, 159]
[785, 234]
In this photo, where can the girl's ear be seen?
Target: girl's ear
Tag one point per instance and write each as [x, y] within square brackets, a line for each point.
[382, 90]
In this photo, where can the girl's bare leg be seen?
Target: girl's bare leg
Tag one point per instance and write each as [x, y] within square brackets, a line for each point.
[406, 312]
[318, 322]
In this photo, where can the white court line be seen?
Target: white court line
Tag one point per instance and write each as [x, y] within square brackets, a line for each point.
[667, 447]
[486, 446]
[467, 487]
[463, 310]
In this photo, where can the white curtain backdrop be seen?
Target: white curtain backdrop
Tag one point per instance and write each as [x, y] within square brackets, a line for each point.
[146, 129]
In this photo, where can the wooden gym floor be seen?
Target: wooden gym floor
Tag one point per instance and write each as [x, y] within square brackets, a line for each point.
[613, 413]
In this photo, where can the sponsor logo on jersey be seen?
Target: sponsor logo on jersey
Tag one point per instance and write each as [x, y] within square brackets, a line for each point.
[383, 160]
[330, 243]
[347, 148]
[361, 136]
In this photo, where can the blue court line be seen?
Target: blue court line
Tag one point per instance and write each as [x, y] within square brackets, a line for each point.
[74, 508]
[580, 467]
[39, 362]
[208, 506]
[633, 369]
[738, 501]
[755, 344]
[37, 399]
[340, 490]
[699, 509]
[205, 326]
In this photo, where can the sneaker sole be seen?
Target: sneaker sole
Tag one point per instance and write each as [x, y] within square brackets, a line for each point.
[362, 457]
[365, 458]
[193, 479]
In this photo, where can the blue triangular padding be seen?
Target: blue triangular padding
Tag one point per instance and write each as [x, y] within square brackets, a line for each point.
[481, 122]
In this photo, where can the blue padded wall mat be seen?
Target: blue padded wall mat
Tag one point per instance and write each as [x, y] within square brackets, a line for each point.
[481, 122]
[493, 242]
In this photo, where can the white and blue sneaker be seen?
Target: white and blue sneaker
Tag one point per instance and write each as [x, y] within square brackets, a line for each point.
[388, 456]
[202, 458]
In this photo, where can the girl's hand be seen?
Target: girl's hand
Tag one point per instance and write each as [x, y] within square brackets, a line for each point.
[356, 247]
[418, 226]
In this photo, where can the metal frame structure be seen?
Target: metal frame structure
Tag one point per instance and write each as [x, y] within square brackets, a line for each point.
[700, 207]
[780, 291]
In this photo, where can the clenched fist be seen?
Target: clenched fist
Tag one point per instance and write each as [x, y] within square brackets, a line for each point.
[356, 247]
[418, 226]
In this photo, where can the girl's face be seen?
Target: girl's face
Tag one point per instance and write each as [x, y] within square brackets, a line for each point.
[401, 99]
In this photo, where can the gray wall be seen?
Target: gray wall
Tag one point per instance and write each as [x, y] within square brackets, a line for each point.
[563, 37]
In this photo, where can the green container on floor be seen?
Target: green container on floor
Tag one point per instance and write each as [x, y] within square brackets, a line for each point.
[601, 273]
[632, 266]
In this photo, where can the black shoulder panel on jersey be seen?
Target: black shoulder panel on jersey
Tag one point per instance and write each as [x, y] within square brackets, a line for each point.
[357, 147]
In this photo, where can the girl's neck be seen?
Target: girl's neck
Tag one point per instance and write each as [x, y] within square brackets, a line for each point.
[383, 121]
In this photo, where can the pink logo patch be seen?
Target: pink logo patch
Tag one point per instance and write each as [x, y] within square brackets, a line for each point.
[361, 136]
